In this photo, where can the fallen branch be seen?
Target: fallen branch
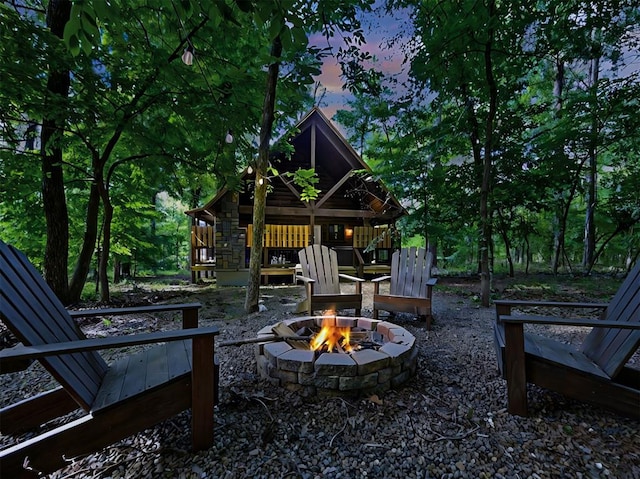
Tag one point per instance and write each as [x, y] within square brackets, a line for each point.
[344, 426]
[449, 438]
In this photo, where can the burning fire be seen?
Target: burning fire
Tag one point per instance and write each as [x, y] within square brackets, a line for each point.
[332, 337]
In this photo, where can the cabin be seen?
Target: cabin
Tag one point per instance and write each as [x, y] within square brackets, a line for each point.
[353, 211]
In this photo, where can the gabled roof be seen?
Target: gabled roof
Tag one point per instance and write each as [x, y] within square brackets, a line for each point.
[346, 181]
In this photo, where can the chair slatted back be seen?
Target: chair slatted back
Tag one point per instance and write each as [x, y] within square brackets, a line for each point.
[320, 264]
[611, 348]
[31, 310]
[410, 271]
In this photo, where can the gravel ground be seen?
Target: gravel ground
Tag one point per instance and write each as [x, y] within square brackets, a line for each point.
[449, 421]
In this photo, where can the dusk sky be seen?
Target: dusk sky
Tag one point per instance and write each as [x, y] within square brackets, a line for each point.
[379, 28]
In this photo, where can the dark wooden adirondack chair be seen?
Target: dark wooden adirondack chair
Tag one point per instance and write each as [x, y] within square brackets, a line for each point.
[322, 280]
[597, 372]
[120, 399]
[411, 285]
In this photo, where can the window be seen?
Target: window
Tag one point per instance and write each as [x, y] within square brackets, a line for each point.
[382, 255]
[336, 233]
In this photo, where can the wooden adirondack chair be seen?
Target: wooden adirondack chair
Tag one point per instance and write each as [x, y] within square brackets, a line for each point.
[596, 372]
[120, 399]
[411, 285]
[322, 281]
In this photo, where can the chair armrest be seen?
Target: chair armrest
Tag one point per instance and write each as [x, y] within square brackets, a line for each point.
[595, 323]
[503, 306]
[87, 313]
[304, 279]
[350, 278]
[548, 304]
[432, 281]
[93, 344]
[381, 278]
[189, 312]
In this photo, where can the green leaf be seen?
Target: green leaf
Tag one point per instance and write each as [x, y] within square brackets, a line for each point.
[71, 29]
[287, 40]
[245, 5]
[300, 38]
[87, 45]
[276, 27]
[73, 44]
[102, 9]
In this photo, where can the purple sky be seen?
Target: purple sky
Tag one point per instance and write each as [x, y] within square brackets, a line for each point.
[378, 28]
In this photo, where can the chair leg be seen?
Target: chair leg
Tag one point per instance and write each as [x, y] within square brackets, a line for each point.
[375, 313]
[309, 288]
[428, 318]
[203, 393]
[515, 369]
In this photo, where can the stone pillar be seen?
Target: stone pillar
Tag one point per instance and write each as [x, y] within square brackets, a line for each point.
[230, 243]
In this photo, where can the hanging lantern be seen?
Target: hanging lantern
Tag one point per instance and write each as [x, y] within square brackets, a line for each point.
[187, 56]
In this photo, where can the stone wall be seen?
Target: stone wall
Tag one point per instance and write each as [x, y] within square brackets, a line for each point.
[230, 238]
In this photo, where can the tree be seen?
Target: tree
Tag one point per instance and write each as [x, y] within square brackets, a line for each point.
[113, 107]
[580, 38]
[53, 123]
[262, 164]
[289, 43]
[463, 52]
[144, 40]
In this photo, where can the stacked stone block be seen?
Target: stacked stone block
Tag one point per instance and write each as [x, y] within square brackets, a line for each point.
[362, 372]
[230, 238]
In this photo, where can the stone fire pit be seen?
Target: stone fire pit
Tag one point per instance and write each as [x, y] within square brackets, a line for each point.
[371, 368]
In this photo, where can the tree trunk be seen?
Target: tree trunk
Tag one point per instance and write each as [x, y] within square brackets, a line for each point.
[106, 246]
[558, 238]
[474, 137]
[83, 264]
[53, 194]
[528, 253]
[621, 228]
[485, 213]
[590, 222]
[502, 230]
[194, 201]
[559, 224]
[117, 271]
[260, 192]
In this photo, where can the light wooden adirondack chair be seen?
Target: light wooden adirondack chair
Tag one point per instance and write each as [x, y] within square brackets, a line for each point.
[411, 285]
[322, 280]
[597, 372]
[121, 399]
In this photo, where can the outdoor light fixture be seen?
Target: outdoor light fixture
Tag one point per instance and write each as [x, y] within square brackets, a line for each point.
[229, 138]
[249, 169]
[187, 56]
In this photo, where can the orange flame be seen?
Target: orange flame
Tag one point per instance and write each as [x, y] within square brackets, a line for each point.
[331, 336]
